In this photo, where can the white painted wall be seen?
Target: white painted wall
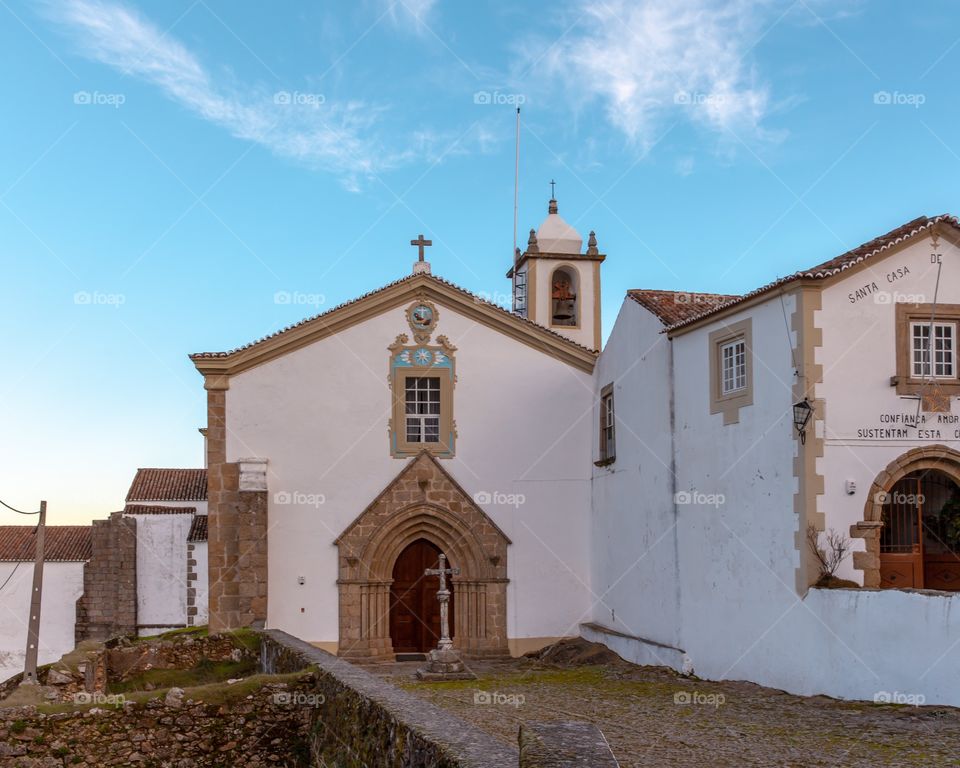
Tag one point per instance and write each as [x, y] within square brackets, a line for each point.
[162, 571]
[634, 541]
[739, 614]
[62, 587]
[320, 415]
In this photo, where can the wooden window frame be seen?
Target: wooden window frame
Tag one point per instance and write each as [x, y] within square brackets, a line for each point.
[908, 315]
[729, 404]
[608, 447]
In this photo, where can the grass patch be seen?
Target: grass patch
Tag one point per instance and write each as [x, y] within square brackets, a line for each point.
[247, 639]
[176, 634]
[205, 672]
[211, 693]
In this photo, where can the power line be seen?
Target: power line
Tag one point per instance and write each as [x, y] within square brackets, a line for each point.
[20, 560]
[18, 511]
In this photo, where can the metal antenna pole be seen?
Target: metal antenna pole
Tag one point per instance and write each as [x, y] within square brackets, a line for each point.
[516, 204]
[33, 627]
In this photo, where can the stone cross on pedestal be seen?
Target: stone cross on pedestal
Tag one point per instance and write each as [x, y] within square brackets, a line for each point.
[443, 595]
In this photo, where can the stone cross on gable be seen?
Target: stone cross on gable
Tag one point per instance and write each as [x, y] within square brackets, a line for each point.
[421, 244]
[443, 595]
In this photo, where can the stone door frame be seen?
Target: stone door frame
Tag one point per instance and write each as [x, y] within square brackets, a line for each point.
[422, 502]
[938, 457]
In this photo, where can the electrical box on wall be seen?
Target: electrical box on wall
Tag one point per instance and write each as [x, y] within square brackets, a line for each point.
[851, 487]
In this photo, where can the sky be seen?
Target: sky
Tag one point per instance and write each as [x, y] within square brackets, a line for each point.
[180, 176]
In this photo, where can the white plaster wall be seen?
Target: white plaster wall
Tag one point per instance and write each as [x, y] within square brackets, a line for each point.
[162, 571]
[202, 584]
[62, 587]
[737, 550]
[634, 553]
[740, 616]
[858, 359]
[320, 415]
[861, 644]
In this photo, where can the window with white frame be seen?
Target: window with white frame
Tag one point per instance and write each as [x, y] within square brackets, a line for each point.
[733, 366]
[936, 360]
[423, 409]
[608, 419]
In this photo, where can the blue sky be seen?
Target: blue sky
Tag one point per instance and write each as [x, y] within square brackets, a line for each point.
[166, 168]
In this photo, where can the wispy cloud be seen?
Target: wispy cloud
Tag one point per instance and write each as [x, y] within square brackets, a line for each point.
[339, 137]
[409, 12]
[646, 61]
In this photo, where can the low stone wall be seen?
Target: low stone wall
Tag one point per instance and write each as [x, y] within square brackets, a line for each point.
[176, 653]
[265, 726]
[360, 720]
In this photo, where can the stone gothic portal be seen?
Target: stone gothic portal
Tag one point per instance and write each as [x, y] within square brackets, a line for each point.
[387, 605]
[414, 608]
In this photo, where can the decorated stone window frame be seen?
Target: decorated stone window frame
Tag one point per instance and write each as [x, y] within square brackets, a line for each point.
[418, 360]
[730, 404]
[908, 314]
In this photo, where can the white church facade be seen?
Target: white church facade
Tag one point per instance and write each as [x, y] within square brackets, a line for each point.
[657, 496]
[414, 420]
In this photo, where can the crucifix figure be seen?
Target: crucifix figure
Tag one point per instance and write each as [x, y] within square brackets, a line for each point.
[421, 243]
[443, 595]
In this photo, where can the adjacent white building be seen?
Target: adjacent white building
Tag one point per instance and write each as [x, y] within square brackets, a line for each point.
[703, 503]
[66, 548]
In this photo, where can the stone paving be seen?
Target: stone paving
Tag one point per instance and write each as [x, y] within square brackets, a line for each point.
[654, 717]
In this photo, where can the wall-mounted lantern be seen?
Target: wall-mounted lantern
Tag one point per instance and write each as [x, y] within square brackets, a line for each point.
[802, 412]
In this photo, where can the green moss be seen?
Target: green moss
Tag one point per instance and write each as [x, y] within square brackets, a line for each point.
[175, 634]
[211, 693]
[206, 671]
[247, 639]
[19, 726]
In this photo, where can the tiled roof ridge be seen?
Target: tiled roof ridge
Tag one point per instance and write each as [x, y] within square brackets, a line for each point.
[152, 484]
[475, 297]
[62, 543]
[842, 262]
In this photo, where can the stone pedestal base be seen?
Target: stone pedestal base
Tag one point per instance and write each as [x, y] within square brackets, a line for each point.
[445, 665]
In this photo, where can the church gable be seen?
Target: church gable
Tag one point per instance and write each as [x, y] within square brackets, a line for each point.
[219, 366]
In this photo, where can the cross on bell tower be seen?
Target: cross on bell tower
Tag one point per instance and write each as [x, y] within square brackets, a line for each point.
[421, 265]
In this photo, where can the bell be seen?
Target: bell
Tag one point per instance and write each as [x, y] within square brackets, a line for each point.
[562, 311]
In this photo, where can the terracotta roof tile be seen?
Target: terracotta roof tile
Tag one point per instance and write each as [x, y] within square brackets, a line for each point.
[838, 264]
[478, 299]
[198, 529]
[62, 543]
[676, 306]
[156, 509]
[168, 485]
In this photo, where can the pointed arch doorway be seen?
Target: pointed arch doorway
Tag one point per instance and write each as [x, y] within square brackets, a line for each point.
[423, 503]
[414, 608]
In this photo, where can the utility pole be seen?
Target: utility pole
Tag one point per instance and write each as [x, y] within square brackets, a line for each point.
[33, 628]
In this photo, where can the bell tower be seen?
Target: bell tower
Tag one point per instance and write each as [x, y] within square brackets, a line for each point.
[557, 286]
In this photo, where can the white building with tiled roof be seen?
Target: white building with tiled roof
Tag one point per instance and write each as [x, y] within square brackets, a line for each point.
[709, 484]
[171, 559]
[66, 548]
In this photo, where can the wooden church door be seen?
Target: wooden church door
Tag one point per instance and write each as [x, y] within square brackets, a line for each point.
[414, 608]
